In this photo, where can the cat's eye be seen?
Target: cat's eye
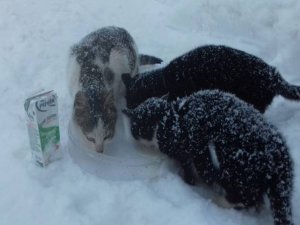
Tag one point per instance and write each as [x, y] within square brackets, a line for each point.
[91, 139]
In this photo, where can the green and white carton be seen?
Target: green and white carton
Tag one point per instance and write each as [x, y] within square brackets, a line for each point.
[43, 127]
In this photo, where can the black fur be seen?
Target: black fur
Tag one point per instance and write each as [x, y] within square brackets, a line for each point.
[252, 157]
[212, 67]
[149, 59]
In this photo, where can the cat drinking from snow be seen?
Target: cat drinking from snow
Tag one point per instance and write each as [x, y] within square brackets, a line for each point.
[95, 67]
[223, 141]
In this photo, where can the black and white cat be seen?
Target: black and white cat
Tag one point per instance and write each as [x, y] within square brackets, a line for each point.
[224, 141]
[212, 67]
[95, 67]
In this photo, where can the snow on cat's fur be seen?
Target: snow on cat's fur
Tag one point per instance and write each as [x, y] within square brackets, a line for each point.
[212, 67]
[95, 67]
[222, 141]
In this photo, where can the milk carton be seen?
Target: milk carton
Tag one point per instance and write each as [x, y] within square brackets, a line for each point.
[43, 127]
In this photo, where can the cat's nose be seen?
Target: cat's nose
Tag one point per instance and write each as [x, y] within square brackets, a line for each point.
[100, 148]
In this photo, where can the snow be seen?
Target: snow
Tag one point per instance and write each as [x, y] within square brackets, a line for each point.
[35, 40]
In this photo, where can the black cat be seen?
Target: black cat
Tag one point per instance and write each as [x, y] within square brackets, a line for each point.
[224, 141]
[212, 67]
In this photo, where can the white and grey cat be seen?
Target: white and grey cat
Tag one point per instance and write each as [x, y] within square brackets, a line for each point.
[95, 67]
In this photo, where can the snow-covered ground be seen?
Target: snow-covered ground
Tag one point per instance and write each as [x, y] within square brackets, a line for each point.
[34, 40]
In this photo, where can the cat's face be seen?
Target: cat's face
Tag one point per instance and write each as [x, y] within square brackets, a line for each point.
[96, 118]
[144, 119]
[141, 128]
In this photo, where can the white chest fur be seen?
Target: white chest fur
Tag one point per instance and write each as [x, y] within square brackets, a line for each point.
[150, 143]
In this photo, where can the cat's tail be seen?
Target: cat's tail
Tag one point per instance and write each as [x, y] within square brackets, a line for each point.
[149, 59]
[288, 90]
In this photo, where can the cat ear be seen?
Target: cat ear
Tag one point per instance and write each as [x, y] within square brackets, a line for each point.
[127, 79]
[127, 112]
[81, 100]
[81, 112]
[165, 97]
[109, 99]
